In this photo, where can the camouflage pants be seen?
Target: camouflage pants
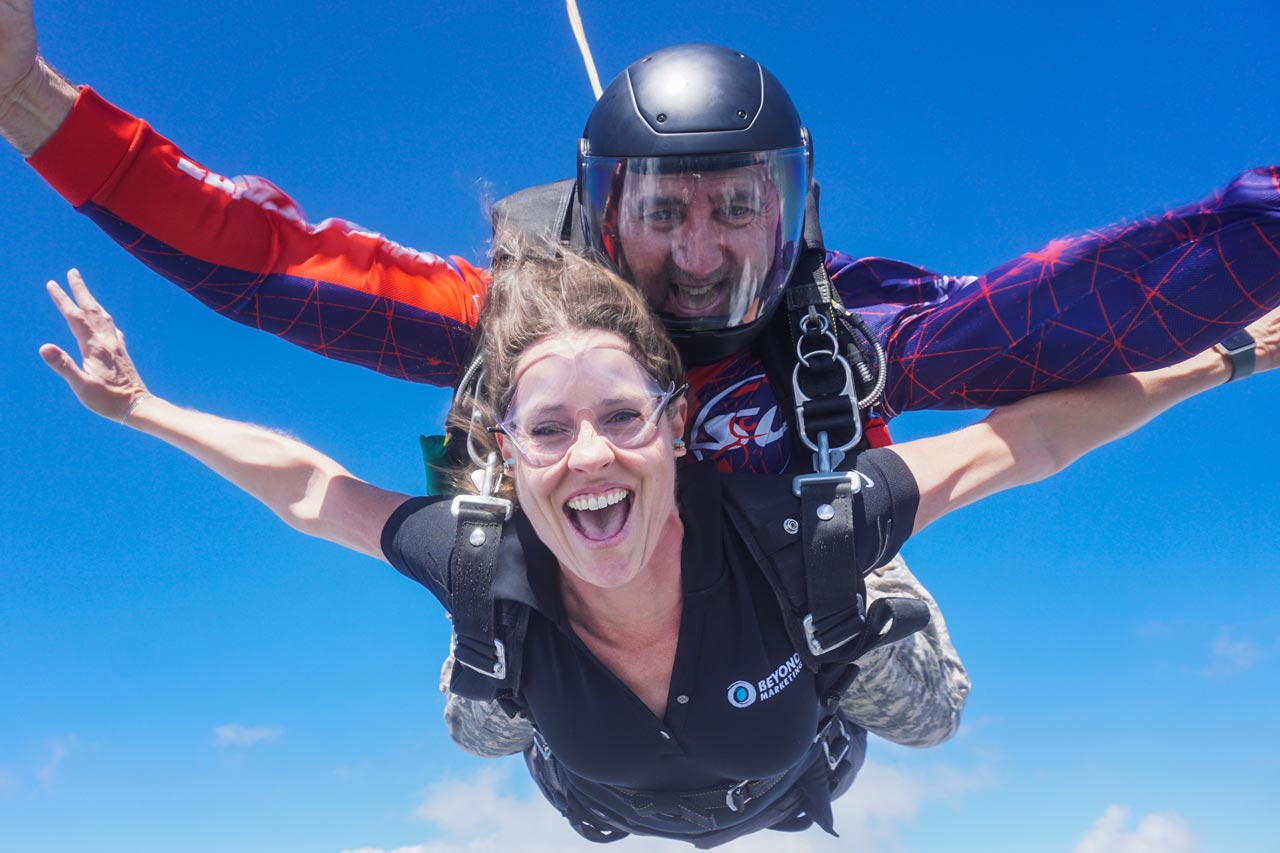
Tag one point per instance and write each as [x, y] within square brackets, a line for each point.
[910, 692]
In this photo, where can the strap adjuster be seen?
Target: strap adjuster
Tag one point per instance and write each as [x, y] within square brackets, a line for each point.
[817, 646]
[499, 656]
[736, 797]
[544, 749]
[841, 738]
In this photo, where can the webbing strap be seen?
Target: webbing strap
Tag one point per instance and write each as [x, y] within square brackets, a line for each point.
[834, 589]
[472, 568]
[891, 619]
[700, 807]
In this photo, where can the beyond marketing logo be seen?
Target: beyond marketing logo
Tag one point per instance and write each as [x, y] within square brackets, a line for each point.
[741, 694]
[744, 693]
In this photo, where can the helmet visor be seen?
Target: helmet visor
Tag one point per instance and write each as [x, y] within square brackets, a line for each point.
[710, 240]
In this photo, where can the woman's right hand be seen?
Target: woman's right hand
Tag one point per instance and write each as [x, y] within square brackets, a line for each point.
[107, 383]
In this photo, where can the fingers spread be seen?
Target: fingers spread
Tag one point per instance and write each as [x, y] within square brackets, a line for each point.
[60, 299]
[80, 292]
[77, 322]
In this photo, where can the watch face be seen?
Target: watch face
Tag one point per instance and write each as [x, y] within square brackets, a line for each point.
[1237, 342]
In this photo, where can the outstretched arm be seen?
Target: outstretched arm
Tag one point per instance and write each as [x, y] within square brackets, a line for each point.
[1134, 296]
[307, 489]
[1041, 435]
[239, 245]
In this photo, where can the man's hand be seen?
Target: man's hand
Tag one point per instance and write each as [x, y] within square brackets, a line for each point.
[17, 45]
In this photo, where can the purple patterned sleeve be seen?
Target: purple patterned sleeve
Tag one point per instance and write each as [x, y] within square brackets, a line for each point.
[1133, 296]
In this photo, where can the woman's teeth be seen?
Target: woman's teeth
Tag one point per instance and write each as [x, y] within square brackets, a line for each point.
[594, 502]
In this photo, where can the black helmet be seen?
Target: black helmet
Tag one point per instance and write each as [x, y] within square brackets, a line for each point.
[692, 176]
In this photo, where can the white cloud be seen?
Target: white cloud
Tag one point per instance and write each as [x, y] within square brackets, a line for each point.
[1158, 832]
[59, 749]
[478, 814]
[8, 782]
[1231, 655]
[351, 772]
[234, 734]
[1227, 654]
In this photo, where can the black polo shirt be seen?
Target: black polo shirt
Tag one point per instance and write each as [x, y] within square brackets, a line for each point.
[740, 705]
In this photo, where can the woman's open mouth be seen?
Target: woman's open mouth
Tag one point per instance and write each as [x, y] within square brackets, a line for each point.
[602, 517]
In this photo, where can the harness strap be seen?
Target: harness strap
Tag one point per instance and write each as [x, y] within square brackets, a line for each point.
[700, 807]
[891, 619]
[836, 742]
[835, 593]
[472, 569]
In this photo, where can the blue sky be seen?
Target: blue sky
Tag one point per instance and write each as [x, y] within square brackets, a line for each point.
[179, 671]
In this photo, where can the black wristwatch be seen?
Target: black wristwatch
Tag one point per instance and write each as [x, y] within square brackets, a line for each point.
[1239, 347]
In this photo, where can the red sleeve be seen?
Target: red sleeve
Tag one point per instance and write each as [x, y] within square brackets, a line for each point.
[244, 248]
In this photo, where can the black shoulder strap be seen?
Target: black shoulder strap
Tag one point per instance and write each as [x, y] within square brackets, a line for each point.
[488, 640]
[802, 539]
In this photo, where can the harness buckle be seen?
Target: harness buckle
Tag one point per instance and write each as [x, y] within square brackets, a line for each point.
[799, 481]
[817, 646]
[484, 503]
[823, 452]
[544, 749]
[841, 738]
[736, 797]
[499, 656]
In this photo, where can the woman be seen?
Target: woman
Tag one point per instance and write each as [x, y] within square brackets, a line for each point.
[630, 574]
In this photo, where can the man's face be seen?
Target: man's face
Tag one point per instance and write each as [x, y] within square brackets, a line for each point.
[699, 244]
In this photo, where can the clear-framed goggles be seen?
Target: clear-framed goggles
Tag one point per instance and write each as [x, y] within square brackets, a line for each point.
[626, 415]
[710, 240]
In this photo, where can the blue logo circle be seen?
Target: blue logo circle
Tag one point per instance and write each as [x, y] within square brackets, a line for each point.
[742, 694]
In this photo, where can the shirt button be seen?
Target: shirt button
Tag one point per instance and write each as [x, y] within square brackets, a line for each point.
[665, 735]
[682, 699]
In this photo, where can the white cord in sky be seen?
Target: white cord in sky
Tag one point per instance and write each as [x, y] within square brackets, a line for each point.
[575, 21]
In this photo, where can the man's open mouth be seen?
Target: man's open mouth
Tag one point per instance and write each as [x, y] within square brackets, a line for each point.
[697, 300]
[600, 517]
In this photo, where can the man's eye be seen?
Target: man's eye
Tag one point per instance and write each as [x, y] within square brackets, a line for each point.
[661, 216]
[738, 213]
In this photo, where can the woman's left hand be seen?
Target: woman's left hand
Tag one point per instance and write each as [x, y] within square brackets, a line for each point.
[107, 384]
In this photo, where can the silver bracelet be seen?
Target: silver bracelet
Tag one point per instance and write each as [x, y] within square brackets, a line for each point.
[137, 401]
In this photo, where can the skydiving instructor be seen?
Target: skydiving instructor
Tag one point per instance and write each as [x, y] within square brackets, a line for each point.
[709, 225]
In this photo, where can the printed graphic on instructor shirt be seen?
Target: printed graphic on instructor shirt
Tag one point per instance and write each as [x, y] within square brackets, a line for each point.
[742, 417]
[742, 694]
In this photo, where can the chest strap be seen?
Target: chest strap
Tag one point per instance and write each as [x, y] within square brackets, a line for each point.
[701, 808]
